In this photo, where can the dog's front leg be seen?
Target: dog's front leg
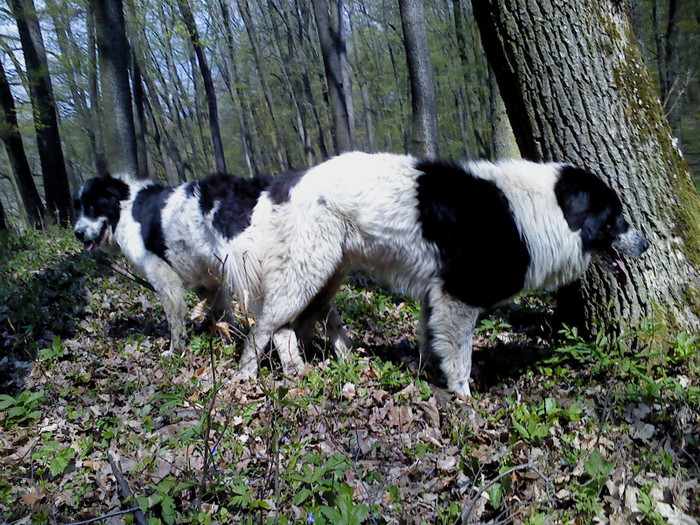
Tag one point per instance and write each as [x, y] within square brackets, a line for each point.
[171, 293]
[447, 332]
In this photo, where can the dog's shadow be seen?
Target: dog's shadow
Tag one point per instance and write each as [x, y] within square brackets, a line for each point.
[524, 337]
[38, 308]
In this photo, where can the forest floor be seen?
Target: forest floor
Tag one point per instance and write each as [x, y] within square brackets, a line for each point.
[559, 429]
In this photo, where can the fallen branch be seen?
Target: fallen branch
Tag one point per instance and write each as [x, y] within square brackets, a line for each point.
[124, 490]
[100, 518]
[125, 273]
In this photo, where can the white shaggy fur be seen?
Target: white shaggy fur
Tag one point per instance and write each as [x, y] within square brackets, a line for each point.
[360, 211]
[200, 259]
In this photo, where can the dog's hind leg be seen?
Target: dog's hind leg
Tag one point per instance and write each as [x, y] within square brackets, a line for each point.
[292, 280]
[171, 293]
[446, 338]
[321, 309]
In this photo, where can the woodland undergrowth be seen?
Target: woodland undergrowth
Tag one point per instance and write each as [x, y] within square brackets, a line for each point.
[560, 429]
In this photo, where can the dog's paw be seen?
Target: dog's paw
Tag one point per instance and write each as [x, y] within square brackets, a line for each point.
[248, 371]
[296, 368]
[168, 354]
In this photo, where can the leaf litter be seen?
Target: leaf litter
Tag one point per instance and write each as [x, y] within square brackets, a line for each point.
[368, 437]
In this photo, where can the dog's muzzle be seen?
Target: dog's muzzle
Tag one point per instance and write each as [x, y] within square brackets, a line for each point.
[631, 243]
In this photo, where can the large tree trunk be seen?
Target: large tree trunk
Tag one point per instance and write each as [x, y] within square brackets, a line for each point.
[424, 132]
[579, 91]
[208, 85]
[9, 133]
[118, 126]
[332, 48]
[53, 167]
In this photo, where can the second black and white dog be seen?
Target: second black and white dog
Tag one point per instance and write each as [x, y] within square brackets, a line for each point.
[202, 236]
[460, 237]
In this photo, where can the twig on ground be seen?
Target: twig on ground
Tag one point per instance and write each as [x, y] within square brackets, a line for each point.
[104, 517]
[467, 513]
[125, 273]
[124, 490]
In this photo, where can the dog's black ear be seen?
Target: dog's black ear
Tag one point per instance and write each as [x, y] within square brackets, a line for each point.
[581, 195]
[116, 188]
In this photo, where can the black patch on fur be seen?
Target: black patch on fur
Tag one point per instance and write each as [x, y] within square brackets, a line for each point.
[147, 209]
[236, 197]
[483, 258]
[281, 187]
[99, 197]
[590, 206]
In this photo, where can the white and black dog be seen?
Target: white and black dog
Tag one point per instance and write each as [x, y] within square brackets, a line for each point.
[460, 237]
[201, 236]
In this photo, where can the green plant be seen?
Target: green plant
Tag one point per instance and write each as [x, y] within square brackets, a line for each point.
[21, 410]
[684, 347]
[492, 326]
[317, 479]
[345, 511]
[163, 498]
[596, 472]
[59, 458]
[528, 423]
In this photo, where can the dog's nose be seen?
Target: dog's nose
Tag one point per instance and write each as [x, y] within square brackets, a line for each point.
[80, 235]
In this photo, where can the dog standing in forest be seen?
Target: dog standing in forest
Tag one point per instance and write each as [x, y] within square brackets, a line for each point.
[202, 236]
[460, 237]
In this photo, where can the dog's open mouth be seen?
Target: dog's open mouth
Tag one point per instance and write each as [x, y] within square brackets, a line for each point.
[612, 261]
[95, 243]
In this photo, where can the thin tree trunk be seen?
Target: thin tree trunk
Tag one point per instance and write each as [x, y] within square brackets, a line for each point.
[232, 80]
[70, 51]
[93, 89]
[504, 144]
[424, 132]
[3, 217]
[278, 146]
[332, 46]
[364, 92]
[9, 133]
[53, 167]
[288, 77]
[118, 125]
[208, 85]
[581, 93]
[140, 120]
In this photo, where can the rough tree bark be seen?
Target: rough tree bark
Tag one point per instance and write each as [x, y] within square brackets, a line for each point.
[576, 89]
[118, 125]
[332, 48]
[9, 134]
[424, 132]
[53, 167]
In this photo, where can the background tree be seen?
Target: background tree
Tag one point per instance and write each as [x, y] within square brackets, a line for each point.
[424, 129]
[209, 90]
[118, 126]
[9, 133]
[53, 167]
[580, 92]
[332, 48]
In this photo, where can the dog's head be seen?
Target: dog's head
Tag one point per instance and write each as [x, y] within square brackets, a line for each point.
[97, 210]
[593, 209]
